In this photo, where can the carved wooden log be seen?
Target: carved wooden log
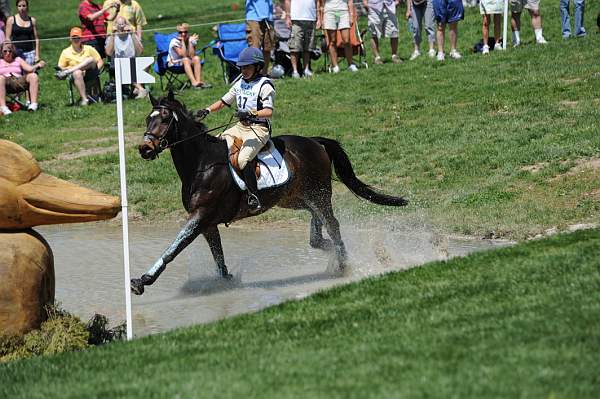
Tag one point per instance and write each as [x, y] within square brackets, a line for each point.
[26, 281]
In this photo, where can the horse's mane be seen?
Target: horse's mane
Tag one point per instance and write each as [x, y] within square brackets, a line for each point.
[196, 125]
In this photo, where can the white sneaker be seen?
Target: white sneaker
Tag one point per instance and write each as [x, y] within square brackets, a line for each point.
[295, 75]
[353, 68]
[142, 93]
[307, 73]
[486, 49]
[415, 55]
[441, 56]
[5, 110]
[454, 54]
[84, 103]
[431, 53]
[396, 59]
[335, 69]
[516, 43]
[541, 40]
[498, 47]
[32, 107]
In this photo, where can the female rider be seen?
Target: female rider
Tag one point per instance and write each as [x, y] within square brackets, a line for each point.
[254, 98]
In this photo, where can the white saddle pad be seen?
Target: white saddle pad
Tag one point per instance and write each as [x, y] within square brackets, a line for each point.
[273, 169]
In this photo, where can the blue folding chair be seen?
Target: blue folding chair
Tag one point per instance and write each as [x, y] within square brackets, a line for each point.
[231, 42]
[175, 76]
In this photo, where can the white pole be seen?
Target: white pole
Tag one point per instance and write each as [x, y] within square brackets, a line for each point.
[123, 198]
[504, 41]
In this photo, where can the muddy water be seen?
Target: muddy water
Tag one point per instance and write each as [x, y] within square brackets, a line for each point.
[271, 263]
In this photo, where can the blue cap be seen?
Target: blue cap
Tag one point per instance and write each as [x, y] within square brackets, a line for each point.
[251, 56]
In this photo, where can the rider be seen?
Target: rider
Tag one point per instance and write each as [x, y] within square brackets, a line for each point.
[254, 98]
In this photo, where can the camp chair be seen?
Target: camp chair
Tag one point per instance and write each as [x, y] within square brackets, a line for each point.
[14, 96]
[93, 87]
[175, 76]
[356, 42]
[231, 42]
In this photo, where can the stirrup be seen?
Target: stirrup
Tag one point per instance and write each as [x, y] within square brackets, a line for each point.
[253, 203]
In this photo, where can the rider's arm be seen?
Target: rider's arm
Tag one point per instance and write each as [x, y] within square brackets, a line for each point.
[217, 106]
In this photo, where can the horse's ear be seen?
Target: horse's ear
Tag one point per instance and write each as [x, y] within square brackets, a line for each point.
[153, 100]
[171, 95]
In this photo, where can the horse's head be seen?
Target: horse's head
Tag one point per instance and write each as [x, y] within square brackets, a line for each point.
[161, 125]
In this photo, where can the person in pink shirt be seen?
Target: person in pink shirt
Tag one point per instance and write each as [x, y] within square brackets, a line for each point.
[12, 78]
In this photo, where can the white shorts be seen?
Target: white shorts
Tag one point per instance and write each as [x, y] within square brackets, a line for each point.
[383, 24]
[491, 7]
[336, 20]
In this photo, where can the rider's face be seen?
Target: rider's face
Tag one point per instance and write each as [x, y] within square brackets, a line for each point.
[248, 71]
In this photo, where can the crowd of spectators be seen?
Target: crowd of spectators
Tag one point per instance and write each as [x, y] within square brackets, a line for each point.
[113, 29]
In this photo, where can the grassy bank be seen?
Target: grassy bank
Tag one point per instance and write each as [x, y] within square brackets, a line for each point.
[517, 322]
[504, 145]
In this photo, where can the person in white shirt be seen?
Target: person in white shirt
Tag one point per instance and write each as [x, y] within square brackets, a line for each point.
[337, 15]
[182, 53]
[301, 16]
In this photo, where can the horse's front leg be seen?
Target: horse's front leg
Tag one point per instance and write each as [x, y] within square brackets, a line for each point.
[189, 232]
[214, 242]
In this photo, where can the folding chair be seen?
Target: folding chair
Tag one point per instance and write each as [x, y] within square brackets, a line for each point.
[175, 76]
[14, 96]
[356, 42]
[231, 42]
[93, 87]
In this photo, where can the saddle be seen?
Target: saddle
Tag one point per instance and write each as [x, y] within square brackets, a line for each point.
[234, 151]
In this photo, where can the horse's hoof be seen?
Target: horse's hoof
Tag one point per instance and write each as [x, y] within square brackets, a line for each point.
[137, 286]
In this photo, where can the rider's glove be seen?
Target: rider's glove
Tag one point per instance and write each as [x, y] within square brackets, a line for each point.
[245, 116]
[203, 113]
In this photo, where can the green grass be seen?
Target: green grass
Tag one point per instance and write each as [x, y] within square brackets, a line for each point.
[516, 322]
[454, 137]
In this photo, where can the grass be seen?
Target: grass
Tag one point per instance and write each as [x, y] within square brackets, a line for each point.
[455, 138]
[516, 322]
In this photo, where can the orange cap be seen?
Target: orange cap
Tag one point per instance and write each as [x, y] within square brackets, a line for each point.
[76, 31]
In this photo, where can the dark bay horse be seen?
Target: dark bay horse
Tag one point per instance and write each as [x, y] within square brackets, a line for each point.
[211, 197]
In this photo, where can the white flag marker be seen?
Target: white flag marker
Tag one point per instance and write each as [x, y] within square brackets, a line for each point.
[127, 71]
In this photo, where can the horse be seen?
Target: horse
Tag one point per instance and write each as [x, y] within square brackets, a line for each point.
[211, 197]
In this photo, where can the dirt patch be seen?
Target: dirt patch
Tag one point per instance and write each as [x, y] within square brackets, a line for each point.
[570, 81]
[581, 165]
[534, 168]
[569, 104]
[87, 152]
[594, 194]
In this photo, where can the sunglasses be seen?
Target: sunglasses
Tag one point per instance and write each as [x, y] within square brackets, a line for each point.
[7, 51]
[75, 38]
[183, 32]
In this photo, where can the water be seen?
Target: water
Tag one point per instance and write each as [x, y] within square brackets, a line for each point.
[271, 263]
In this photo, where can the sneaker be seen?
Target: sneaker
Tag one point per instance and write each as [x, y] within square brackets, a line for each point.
[62, 74]
[335, 69]
[396, 59]
[353, 68]
[143, 93]
[498, 47]
[415, 55]
[307, 73]
[516, 43]
[295, 75]
[441, 56]
[541, 40]
[84, 103]
[431, 53]
[454, 54]
[378, 60]
[486, 49]
[5, 110]
[32, 107]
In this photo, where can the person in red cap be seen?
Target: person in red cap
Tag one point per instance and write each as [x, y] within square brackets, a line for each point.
[79, 62]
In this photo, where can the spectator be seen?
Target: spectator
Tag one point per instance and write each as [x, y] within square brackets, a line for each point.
[93, 18]
[131, 11]
[565, 19]
[418, 10]
[495, 8]
[301, 17]
[4, 9]
[383, 23]
[182, 52]
[16, 76]
[336, 17]
[260, 32]
[81, 62]
[448, 12]
[22, 31]
[123, 43]
[533, 6]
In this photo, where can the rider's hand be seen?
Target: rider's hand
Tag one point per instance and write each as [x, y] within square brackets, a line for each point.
[201, 114]
[244, 115]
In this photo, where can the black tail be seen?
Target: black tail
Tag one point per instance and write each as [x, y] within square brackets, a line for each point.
[343, 169]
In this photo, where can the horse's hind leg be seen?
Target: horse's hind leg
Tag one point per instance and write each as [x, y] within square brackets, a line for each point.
[324, 211]
[214, 242]
[316, 233]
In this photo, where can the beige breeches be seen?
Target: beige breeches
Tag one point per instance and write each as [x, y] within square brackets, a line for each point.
[254, 138]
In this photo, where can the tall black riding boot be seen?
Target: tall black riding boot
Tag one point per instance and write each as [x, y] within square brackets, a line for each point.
[250, 180]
